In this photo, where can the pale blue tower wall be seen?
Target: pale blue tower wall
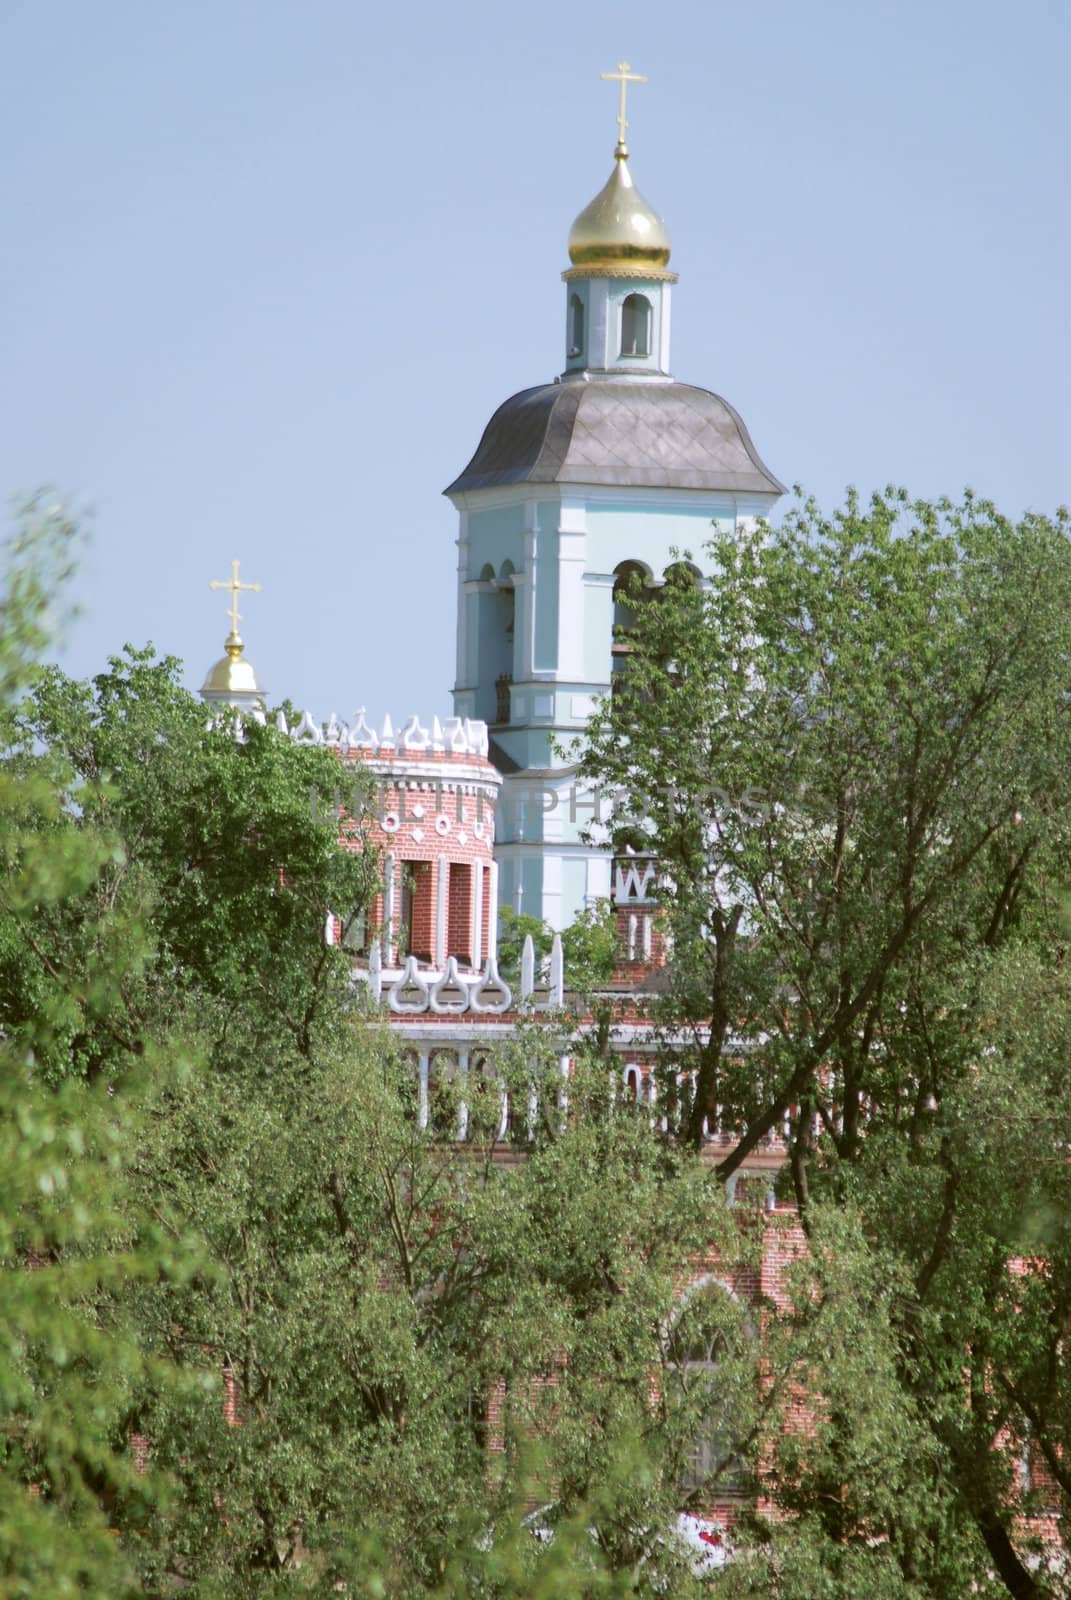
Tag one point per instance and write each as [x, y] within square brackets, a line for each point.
[563, 546]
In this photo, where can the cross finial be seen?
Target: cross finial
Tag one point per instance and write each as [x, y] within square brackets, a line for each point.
[236, 588]
[624, 76]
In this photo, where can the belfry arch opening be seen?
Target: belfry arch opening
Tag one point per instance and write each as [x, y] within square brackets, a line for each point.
[576, 326]
[683, 575]
[635, 325]
[631, 590]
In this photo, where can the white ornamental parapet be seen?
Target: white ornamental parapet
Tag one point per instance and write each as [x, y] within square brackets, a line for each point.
[453, 993]
[451, 736]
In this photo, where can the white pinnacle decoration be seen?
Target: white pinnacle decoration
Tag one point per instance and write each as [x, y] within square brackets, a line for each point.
[557, 972]
[527, 969]
[362, 737]
[413, 736]
[375, 969]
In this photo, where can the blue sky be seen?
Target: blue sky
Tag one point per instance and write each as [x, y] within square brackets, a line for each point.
[268, 268]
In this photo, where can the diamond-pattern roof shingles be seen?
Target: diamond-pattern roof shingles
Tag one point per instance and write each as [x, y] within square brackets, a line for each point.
[653, 435]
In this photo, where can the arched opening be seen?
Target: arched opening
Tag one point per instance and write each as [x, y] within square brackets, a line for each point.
[487, 1100]
[444, 1096]
[683, 575]
[630, 592]
[711, 1353]
[576, 326]
[635, 325]
[506, 619]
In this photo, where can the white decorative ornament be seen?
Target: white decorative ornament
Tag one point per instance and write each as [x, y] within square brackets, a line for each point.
[413, 736]
[333, 734]
[391, 822]
[436, 734]
[280, 722]
[491, 993]
[362, 737]
[462, 837]
[449, 997]
[418, 835]
[478, 829]
[387, 736]
[410, 993]
[454, 735]
[442, 825]
[417, 810]
[307, 731]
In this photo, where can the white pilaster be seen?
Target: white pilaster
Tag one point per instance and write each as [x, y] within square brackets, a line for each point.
[477, 914]
[463, 1081]
[442, 894]
[492, 912]
[422, 1090]
[388, 908]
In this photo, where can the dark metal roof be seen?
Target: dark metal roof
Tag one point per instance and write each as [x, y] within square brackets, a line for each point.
[651, 435]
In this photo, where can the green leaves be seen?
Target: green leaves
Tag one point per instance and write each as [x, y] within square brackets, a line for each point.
[871, 957]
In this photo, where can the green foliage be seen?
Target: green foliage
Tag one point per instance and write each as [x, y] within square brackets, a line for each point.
[71, 1375]
[514, 927]
[361, 1353]
[852, 748]
[213, 884]
[589, 945]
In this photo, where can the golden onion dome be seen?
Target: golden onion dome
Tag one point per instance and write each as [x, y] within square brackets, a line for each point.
[233, 674]
[619, 234]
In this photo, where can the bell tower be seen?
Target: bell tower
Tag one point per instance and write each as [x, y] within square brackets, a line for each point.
[617, 300]
[576, 485]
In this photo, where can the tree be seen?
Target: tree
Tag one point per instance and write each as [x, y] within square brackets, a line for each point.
[218, 858]
[70, 1375]
[421, 1339]
[319, 1323]
[849, 751]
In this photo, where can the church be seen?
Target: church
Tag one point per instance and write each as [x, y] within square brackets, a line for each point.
[578, 487]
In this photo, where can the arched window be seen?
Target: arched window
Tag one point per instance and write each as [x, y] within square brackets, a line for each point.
[711, 1355]
[683, 575]
[508, 596]
[635, 325]
[630, 592]
[576, 325]
[487, 1101]
[444, 1096]
[507, 606]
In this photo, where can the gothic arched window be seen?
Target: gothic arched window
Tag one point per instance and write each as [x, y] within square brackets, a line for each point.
[635, 325]
[576, 325]
[712, 1370]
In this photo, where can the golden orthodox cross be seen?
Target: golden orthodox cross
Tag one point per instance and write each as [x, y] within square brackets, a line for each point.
[624, 76]
[236, 588]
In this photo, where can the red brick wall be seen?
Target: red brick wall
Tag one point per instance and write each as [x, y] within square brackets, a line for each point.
[459, 912]
[420, 876]
[421, 819]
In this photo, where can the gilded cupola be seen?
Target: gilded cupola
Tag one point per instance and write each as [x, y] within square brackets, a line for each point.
[619, 233]
[232, 681]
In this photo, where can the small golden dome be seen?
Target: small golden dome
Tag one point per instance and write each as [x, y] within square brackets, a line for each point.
[233, 674]
[619, 233]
